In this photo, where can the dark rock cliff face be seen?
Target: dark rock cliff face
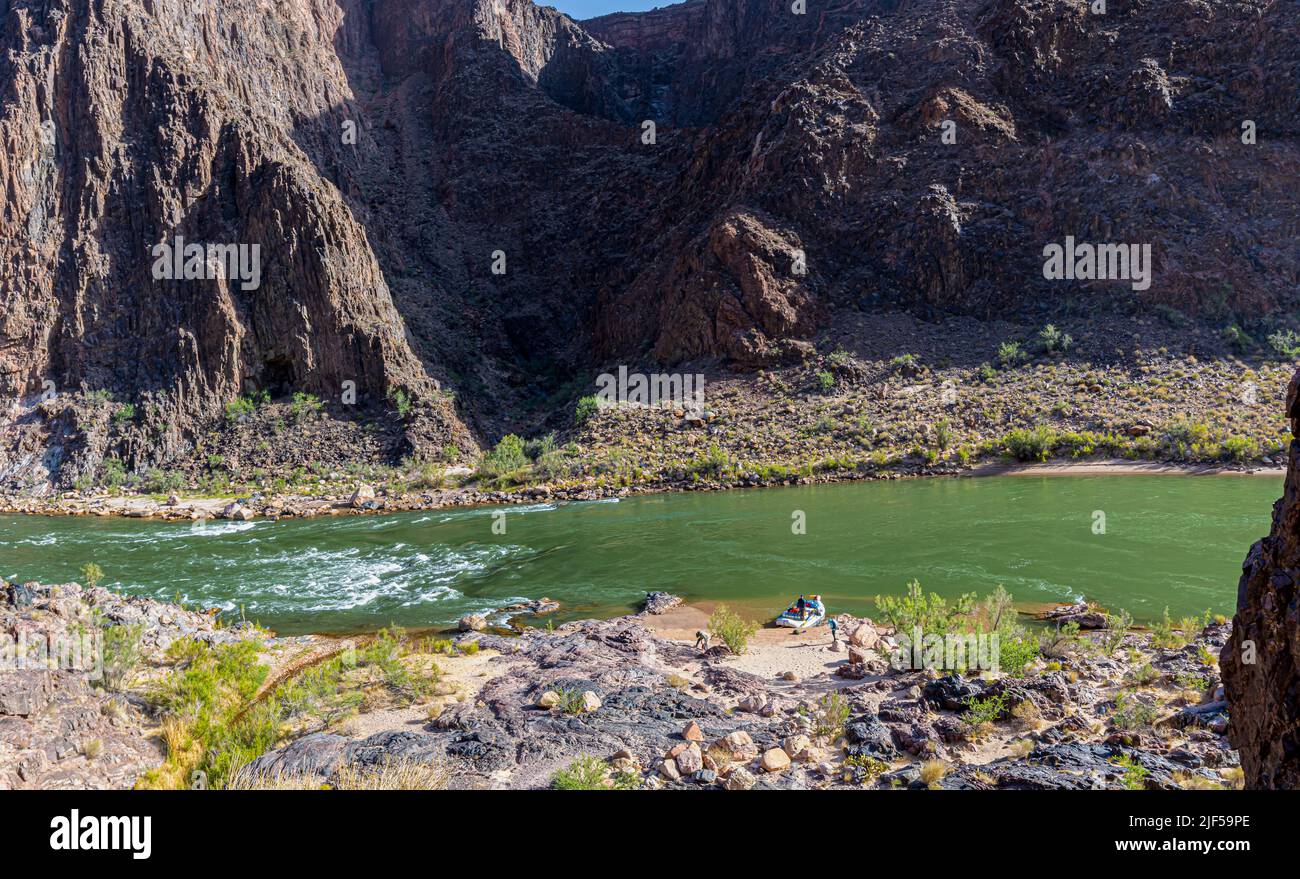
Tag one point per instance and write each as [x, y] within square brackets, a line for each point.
[381, 153]
[1261, 662]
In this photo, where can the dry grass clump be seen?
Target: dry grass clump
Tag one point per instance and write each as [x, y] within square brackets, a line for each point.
[393, 775]
[1194, 781]
[1027, 715]
[932, 772]
[1022, 747]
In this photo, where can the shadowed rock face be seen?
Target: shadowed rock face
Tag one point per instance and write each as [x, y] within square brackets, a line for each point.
[1264, 695]
[379, 152]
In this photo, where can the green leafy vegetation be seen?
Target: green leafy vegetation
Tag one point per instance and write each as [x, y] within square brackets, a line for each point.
[92, 574]
[305, 406]
[1053, 341]
[1034, 444]
[1135, 773]
[402, 401]
[506, 459]
[930, 612]
[121, 656]
[245, 406]
[982, 713]
[1285, 343]
[733, 629]
[832, 712]
[1011, 354]
[1131, 713]
[591, 773]
[586, 409]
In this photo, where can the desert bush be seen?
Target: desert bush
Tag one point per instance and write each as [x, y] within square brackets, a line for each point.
[586, 773]
[1052, 340]
[930, 612]
[1033, 444]
[832, 712]
[586, 409]
[122, 653]
[932, 772]
[734, 630]
[1286, 343]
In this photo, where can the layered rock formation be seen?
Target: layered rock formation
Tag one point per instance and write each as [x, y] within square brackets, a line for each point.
[462, 195]
[1261, 662]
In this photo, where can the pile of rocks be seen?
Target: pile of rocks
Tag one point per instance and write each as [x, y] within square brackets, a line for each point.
[63, 723]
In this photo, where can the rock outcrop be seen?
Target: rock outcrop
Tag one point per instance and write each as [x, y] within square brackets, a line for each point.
[460, 199]
[1261, 661]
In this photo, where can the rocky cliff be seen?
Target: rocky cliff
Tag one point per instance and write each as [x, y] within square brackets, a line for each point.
[1261, 662]
[459, 199]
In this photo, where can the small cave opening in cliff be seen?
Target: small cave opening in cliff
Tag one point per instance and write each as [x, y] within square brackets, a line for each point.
[277, 377]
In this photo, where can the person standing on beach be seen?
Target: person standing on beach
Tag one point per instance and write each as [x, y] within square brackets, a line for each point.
[835, 632]
[702, 641]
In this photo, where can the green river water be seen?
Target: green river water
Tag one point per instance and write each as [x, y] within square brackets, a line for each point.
[1169, 541]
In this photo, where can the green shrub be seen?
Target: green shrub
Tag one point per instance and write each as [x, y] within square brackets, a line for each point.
[570, 701]
[714, 462]
[1035, 444]
[1015, 654]
[1187, 439]
[1117, 627]
[825, 381]
[123, 415]
[305, 406]
[1135, 773]
[1286, 343]
[1131, 713]
[91, 573]
[586, 409]
[1143, 676]
[734, 630]
[943, 435]
[1010, 354]
[506, 458]
[159, 481]
[1060, 641]
[402, 401]
[585, 773]
[832, 712]
[245, 406]
[907, 363]
[1240, 448]
[931, 612]
[1237, 338]
[1165, 634]
[1052, 340]
[121, 655]
[114, 473]
[981, 711]
[865, 768]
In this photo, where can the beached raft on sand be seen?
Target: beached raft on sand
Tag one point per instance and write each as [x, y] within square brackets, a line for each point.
[812, 614]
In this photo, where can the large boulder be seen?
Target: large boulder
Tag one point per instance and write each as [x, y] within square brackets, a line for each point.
[1260, 663]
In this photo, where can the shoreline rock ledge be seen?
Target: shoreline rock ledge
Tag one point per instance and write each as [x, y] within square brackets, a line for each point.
[1261, 661]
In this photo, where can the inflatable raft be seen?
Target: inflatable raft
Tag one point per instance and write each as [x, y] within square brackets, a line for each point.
[813, 613]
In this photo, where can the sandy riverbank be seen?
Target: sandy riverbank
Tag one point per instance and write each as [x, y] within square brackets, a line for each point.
[1120, 467]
